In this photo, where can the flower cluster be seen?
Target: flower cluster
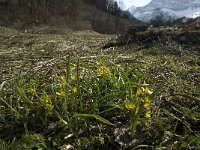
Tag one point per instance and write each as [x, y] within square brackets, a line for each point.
[143, 94]
[32, 90]
[129, 105]
[102, 70]
[46, 102]
[141, 97]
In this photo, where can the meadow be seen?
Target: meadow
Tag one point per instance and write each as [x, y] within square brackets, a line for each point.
[63, 91]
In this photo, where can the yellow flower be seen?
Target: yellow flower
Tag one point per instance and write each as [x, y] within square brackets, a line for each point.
[146, 102]
[74, 89]
[62, 80]
[103, 70]
[139, 92]
[49, 107]
[74, 77]
[32, 91]
[61, 94]
[45, 98]
[143, 91]
[46, 102]
[147, 91]
[129, 105]
[148, 114]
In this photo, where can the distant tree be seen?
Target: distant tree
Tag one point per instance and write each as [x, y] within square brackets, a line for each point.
[116, 9]
[116, 12]
[170, 19]
[73, 8]
[100, 4]
[113, 8]
[160, 17]
[45, 4]
[92, 16]
[121, 4]
[33, 8]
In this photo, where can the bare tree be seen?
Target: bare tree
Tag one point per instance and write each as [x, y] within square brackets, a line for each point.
[92, 16]
[46, 10]
[161, 18]
[33, 5]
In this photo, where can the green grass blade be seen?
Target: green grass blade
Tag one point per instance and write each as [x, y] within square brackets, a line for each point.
[12, 109]
[101, 119]
[142, 146]
[2, 85]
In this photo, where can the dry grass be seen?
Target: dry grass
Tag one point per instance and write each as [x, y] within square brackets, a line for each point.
[37, 61]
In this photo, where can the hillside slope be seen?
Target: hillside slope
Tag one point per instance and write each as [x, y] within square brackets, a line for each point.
[73, 14]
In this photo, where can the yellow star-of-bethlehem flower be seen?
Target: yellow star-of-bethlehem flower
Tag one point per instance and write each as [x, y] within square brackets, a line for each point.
[146, 102]
[143, 91]
[74, 77]
[74, 89]
[129, 105]
[61, 93]
[32, 90]
[49, 107]
[45, 98]
[148, 114]
[103, 70]
[62, 80]
[46, 102]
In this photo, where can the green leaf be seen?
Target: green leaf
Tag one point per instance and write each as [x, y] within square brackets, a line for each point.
[96, 117]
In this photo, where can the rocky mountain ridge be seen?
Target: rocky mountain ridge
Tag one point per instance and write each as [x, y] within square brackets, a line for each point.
[181, 8]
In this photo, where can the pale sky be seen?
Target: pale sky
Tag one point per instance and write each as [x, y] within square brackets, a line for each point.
[138, 3]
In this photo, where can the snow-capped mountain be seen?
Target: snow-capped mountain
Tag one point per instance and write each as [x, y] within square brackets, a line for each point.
[180, 8]
[132, 9]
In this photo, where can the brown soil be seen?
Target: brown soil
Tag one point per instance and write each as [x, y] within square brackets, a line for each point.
[176, 38]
